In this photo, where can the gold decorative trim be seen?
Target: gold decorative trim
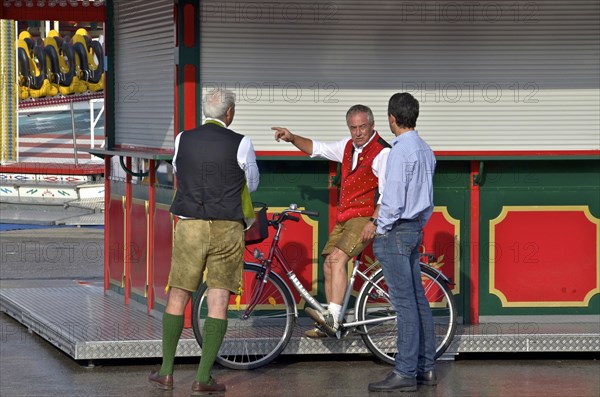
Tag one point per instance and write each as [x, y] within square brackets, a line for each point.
[456, 223]
[315, 253]
[492, 263]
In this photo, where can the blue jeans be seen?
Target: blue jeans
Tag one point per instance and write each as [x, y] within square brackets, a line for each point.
[397, 251]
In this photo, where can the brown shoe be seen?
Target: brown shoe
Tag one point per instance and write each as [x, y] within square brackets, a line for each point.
[323, 320]
[201, 389]
[316, 333]
[164, 382]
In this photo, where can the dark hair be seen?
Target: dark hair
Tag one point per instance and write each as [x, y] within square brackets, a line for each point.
[361, 109]
[405, 109]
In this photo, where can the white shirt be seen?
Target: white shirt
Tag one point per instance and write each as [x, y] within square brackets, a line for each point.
[334, 151]
[246, 158]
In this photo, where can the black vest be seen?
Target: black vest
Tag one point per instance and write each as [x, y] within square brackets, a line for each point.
[209, 178]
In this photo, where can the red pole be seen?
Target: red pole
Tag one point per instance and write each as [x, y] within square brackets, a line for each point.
[106, 219]
[474, 254]
[150, 242]
[128, 197]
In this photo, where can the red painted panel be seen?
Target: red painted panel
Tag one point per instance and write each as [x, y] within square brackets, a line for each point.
[163, 243]
[545, 256]
[189, 27]
[296, 243]
[189, 96]
[138, 247]
[115, 233]
[439, 240]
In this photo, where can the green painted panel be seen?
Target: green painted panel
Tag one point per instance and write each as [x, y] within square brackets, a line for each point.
[302, 175]
[457, 202]
[451, 174]
[451, 190]
[541, 175]
[544, 183]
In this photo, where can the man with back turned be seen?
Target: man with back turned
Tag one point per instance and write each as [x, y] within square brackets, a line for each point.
[406, 206]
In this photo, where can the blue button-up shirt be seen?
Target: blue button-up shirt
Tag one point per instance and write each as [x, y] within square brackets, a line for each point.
[408, 192]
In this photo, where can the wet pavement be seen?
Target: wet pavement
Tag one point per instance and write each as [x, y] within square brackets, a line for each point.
[30, 366]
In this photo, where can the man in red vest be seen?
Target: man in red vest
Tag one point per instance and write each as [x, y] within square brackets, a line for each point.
[363, 156]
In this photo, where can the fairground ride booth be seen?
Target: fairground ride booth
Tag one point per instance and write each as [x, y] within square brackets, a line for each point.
[509, 103]
[52, 90]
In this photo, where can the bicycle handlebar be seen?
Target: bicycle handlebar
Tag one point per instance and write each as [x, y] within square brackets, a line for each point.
[286, 214]
[310, 213]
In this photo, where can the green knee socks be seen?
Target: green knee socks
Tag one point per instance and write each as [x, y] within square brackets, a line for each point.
[214, 331]
[172, 327]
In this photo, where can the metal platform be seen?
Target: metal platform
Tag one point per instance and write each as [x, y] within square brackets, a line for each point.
[87, 324]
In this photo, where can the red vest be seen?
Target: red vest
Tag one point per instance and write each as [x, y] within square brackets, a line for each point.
[359, 186]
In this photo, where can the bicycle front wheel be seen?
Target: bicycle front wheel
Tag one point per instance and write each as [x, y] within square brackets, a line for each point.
[381, 336]
[253, 338]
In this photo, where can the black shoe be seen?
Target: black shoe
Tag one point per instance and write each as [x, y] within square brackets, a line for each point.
[427, 378]
[394, 382]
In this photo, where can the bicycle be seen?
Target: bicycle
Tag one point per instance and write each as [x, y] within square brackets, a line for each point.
[261, 328]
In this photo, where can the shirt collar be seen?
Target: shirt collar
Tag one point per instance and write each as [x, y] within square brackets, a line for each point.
[406, 134]
[215, 121]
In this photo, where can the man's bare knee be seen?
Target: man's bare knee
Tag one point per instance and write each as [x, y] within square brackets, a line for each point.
[338, 259]
[218, 302]
[178, 299]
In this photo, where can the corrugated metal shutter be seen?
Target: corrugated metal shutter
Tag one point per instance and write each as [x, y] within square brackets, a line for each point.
[144, 49]
[488, 75]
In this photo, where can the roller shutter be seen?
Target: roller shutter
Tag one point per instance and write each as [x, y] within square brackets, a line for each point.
[489, 75]
[144, 49]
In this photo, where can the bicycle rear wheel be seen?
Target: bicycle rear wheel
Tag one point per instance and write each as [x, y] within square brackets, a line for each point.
[374, 303]
[258, 339]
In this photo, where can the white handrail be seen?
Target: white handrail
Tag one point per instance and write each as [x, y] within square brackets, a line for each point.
[94, 119]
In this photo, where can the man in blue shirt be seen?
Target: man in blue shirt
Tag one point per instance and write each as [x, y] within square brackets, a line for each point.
[406, 206]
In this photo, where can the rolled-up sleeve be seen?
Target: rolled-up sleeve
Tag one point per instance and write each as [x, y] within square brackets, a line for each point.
[246, 158]
[174, 162]
[333, 151]
[379, 166]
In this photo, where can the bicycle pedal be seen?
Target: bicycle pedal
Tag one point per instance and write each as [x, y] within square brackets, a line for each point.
[342, 332]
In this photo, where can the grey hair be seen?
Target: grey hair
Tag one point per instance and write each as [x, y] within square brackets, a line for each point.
[216, 102]
[361, 109]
